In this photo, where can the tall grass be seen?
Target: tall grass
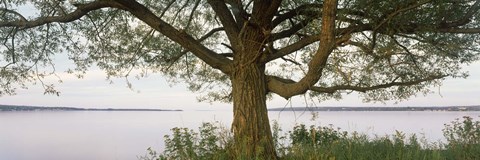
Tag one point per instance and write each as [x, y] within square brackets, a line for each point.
[213, 141]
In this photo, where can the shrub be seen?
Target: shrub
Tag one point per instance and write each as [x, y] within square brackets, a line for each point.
[463, 137]
[211, 142]
[462, 132]
[315, 136]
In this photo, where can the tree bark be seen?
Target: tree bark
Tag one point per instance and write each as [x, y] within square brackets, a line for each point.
[251, 127]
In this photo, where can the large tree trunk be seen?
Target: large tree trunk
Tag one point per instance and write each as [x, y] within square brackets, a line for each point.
[251, 127]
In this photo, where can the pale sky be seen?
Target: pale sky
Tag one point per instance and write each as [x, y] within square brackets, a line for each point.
[94, 91]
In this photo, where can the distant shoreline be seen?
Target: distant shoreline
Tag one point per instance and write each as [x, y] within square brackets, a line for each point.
[37, 108]
[432, 108]
[323, 109]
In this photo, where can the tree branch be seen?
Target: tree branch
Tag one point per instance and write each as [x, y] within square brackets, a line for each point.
[319, 60]
[227, 20]
[176, 58]
[301, 44]
[293, 47]
[334, 89]
[289, 32]
[466, 19]
[190, 18]
[369, 88]
[13, 12]
[459, 30]
[81, 11]
[142, 13]
[185, 40]
[300, 10]
[387, 17]
[238, 11]
[263, 12]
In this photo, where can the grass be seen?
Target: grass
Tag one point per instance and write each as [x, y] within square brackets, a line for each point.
[213, 141]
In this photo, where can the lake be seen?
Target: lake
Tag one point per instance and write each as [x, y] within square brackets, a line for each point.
[124, 135]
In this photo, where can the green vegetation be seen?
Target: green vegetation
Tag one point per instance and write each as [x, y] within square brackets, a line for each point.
[327, 142]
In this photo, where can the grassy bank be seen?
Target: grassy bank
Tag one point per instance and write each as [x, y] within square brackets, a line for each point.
[213, 141]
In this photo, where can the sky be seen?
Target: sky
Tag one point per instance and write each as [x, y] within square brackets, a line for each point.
[93, 91]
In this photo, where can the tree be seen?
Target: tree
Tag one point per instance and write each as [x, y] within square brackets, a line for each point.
[243, 51]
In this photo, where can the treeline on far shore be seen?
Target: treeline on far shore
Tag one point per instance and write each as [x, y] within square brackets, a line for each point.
[37, 108]
[429, 108]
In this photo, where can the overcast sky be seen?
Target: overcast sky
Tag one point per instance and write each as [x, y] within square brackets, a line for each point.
[94, 91]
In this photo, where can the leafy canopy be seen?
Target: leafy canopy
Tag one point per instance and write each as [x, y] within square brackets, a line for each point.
[383, 49]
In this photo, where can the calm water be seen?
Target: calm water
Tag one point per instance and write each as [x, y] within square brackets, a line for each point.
[81, 135]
